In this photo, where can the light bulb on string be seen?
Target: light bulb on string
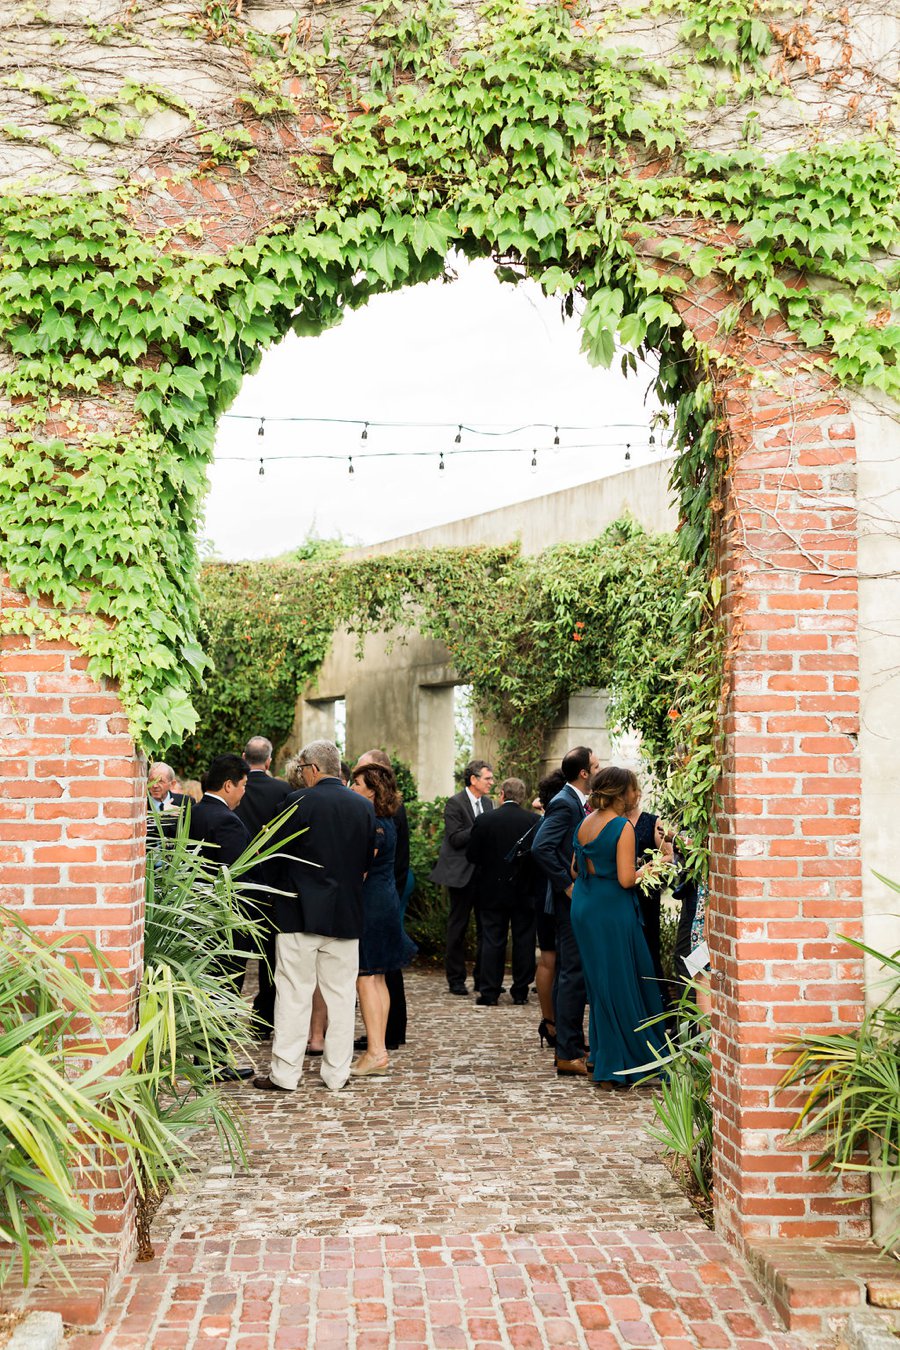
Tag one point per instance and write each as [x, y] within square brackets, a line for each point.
[365, 433]
[652, 439]
[350, 469]
[556, 435]
[441, 462]
[457, 439]
[261, 429]
[534, 462]
[262, 469]
[628, 451]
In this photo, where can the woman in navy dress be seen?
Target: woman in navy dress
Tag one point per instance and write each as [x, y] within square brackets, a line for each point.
[384, 945]
[606, 919]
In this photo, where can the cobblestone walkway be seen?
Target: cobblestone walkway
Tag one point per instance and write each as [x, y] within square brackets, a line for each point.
[471, 1199]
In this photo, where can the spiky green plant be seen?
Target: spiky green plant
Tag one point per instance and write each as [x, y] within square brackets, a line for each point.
[683, 1106]
[53, 1111]
[853, 1082]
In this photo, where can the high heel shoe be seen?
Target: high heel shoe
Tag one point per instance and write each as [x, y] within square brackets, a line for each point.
[545, 1033]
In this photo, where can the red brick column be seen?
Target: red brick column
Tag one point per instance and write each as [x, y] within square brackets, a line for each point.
[785, 879]
[72, 827]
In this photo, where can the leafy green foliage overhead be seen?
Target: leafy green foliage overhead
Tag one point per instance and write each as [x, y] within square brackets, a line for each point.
[550, 141]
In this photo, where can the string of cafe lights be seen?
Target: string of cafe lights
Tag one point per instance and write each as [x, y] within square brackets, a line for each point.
[366, 452]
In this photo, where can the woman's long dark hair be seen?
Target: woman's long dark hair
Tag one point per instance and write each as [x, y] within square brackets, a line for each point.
[380, 780]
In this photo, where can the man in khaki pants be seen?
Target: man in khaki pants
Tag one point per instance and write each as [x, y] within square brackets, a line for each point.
[319, 920]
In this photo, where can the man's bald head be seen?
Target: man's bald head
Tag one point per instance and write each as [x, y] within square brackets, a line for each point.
[374, 757]
[258, 752]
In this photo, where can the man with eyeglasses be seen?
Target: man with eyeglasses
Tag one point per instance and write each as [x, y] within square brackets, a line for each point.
[319, 914]
[454, 870]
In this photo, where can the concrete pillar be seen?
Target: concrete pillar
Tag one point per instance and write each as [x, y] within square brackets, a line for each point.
[433, 763]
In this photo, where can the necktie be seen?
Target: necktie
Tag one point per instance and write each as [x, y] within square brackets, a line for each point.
[478, 808]
[587, 808]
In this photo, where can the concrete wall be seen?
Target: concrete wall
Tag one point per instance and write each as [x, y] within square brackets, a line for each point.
[399, 692]
[571, 516]
[878, 498]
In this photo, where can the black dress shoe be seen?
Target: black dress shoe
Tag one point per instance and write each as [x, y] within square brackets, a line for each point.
[227, 1074]
[482, 1002]
[459, 989]
[266, 1085]
[520, 1002]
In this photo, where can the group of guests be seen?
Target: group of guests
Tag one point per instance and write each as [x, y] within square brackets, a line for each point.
[328, 897]
[574, 878]
[571, 877]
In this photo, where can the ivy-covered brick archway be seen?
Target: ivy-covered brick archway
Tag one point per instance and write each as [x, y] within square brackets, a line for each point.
[183, 188]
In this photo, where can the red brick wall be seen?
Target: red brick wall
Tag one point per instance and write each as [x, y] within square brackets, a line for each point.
[72, 827]
[786, 878]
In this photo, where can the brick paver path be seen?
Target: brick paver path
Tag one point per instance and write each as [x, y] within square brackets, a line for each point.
[471, 1199]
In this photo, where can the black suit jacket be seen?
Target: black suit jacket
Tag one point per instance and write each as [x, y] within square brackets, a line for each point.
[494, 834]
[263, 798]
[338, 834]
[453, 867]
[222, 835]
[553, 847]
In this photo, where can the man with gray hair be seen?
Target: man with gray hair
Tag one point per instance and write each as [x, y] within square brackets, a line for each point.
[319, 919]
[163, 802]
[264, 796]
[505, 893]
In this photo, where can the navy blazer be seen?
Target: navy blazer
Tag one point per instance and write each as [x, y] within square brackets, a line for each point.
[222, 835]
[553, 847]
[324, 867]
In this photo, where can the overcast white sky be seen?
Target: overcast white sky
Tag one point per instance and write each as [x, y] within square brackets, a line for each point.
[477, 352]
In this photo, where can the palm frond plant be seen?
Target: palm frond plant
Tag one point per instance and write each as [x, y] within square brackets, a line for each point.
[53, 1117]
[69, 1103]
[192, 1021]
[684, 1118]
[853, 1087]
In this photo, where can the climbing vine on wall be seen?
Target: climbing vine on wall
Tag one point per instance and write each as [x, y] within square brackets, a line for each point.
[524, 632]
[619, 171]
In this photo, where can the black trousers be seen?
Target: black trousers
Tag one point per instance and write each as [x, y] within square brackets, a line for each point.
[462, 902]
[570, 994]
[264, 1001]
[395, 1032]
[496, 923]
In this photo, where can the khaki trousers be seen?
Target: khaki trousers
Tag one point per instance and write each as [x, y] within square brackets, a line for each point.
[302, 961]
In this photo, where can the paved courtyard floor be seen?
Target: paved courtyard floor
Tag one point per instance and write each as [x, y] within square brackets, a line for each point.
[471, 1199]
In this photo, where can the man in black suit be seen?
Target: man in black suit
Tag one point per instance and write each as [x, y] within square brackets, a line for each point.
[505, 895]
[163, 802]
[454, 870]
[264, 797]
[320, 918]
[552, 851]
[223, 838]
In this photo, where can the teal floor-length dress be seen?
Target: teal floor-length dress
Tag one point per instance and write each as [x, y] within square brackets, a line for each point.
[618, 969]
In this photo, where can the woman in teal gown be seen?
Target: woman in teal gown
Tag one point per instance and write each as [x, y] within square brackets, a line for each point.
[606, 918]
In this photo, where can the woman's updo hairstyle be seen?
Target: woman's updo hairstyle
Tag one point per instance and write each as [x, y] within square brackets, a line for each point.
[611, 785]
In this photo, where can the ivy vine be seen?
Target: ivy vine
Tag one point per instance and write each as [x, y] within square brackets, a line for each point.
[553, 141]
[524, 632]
